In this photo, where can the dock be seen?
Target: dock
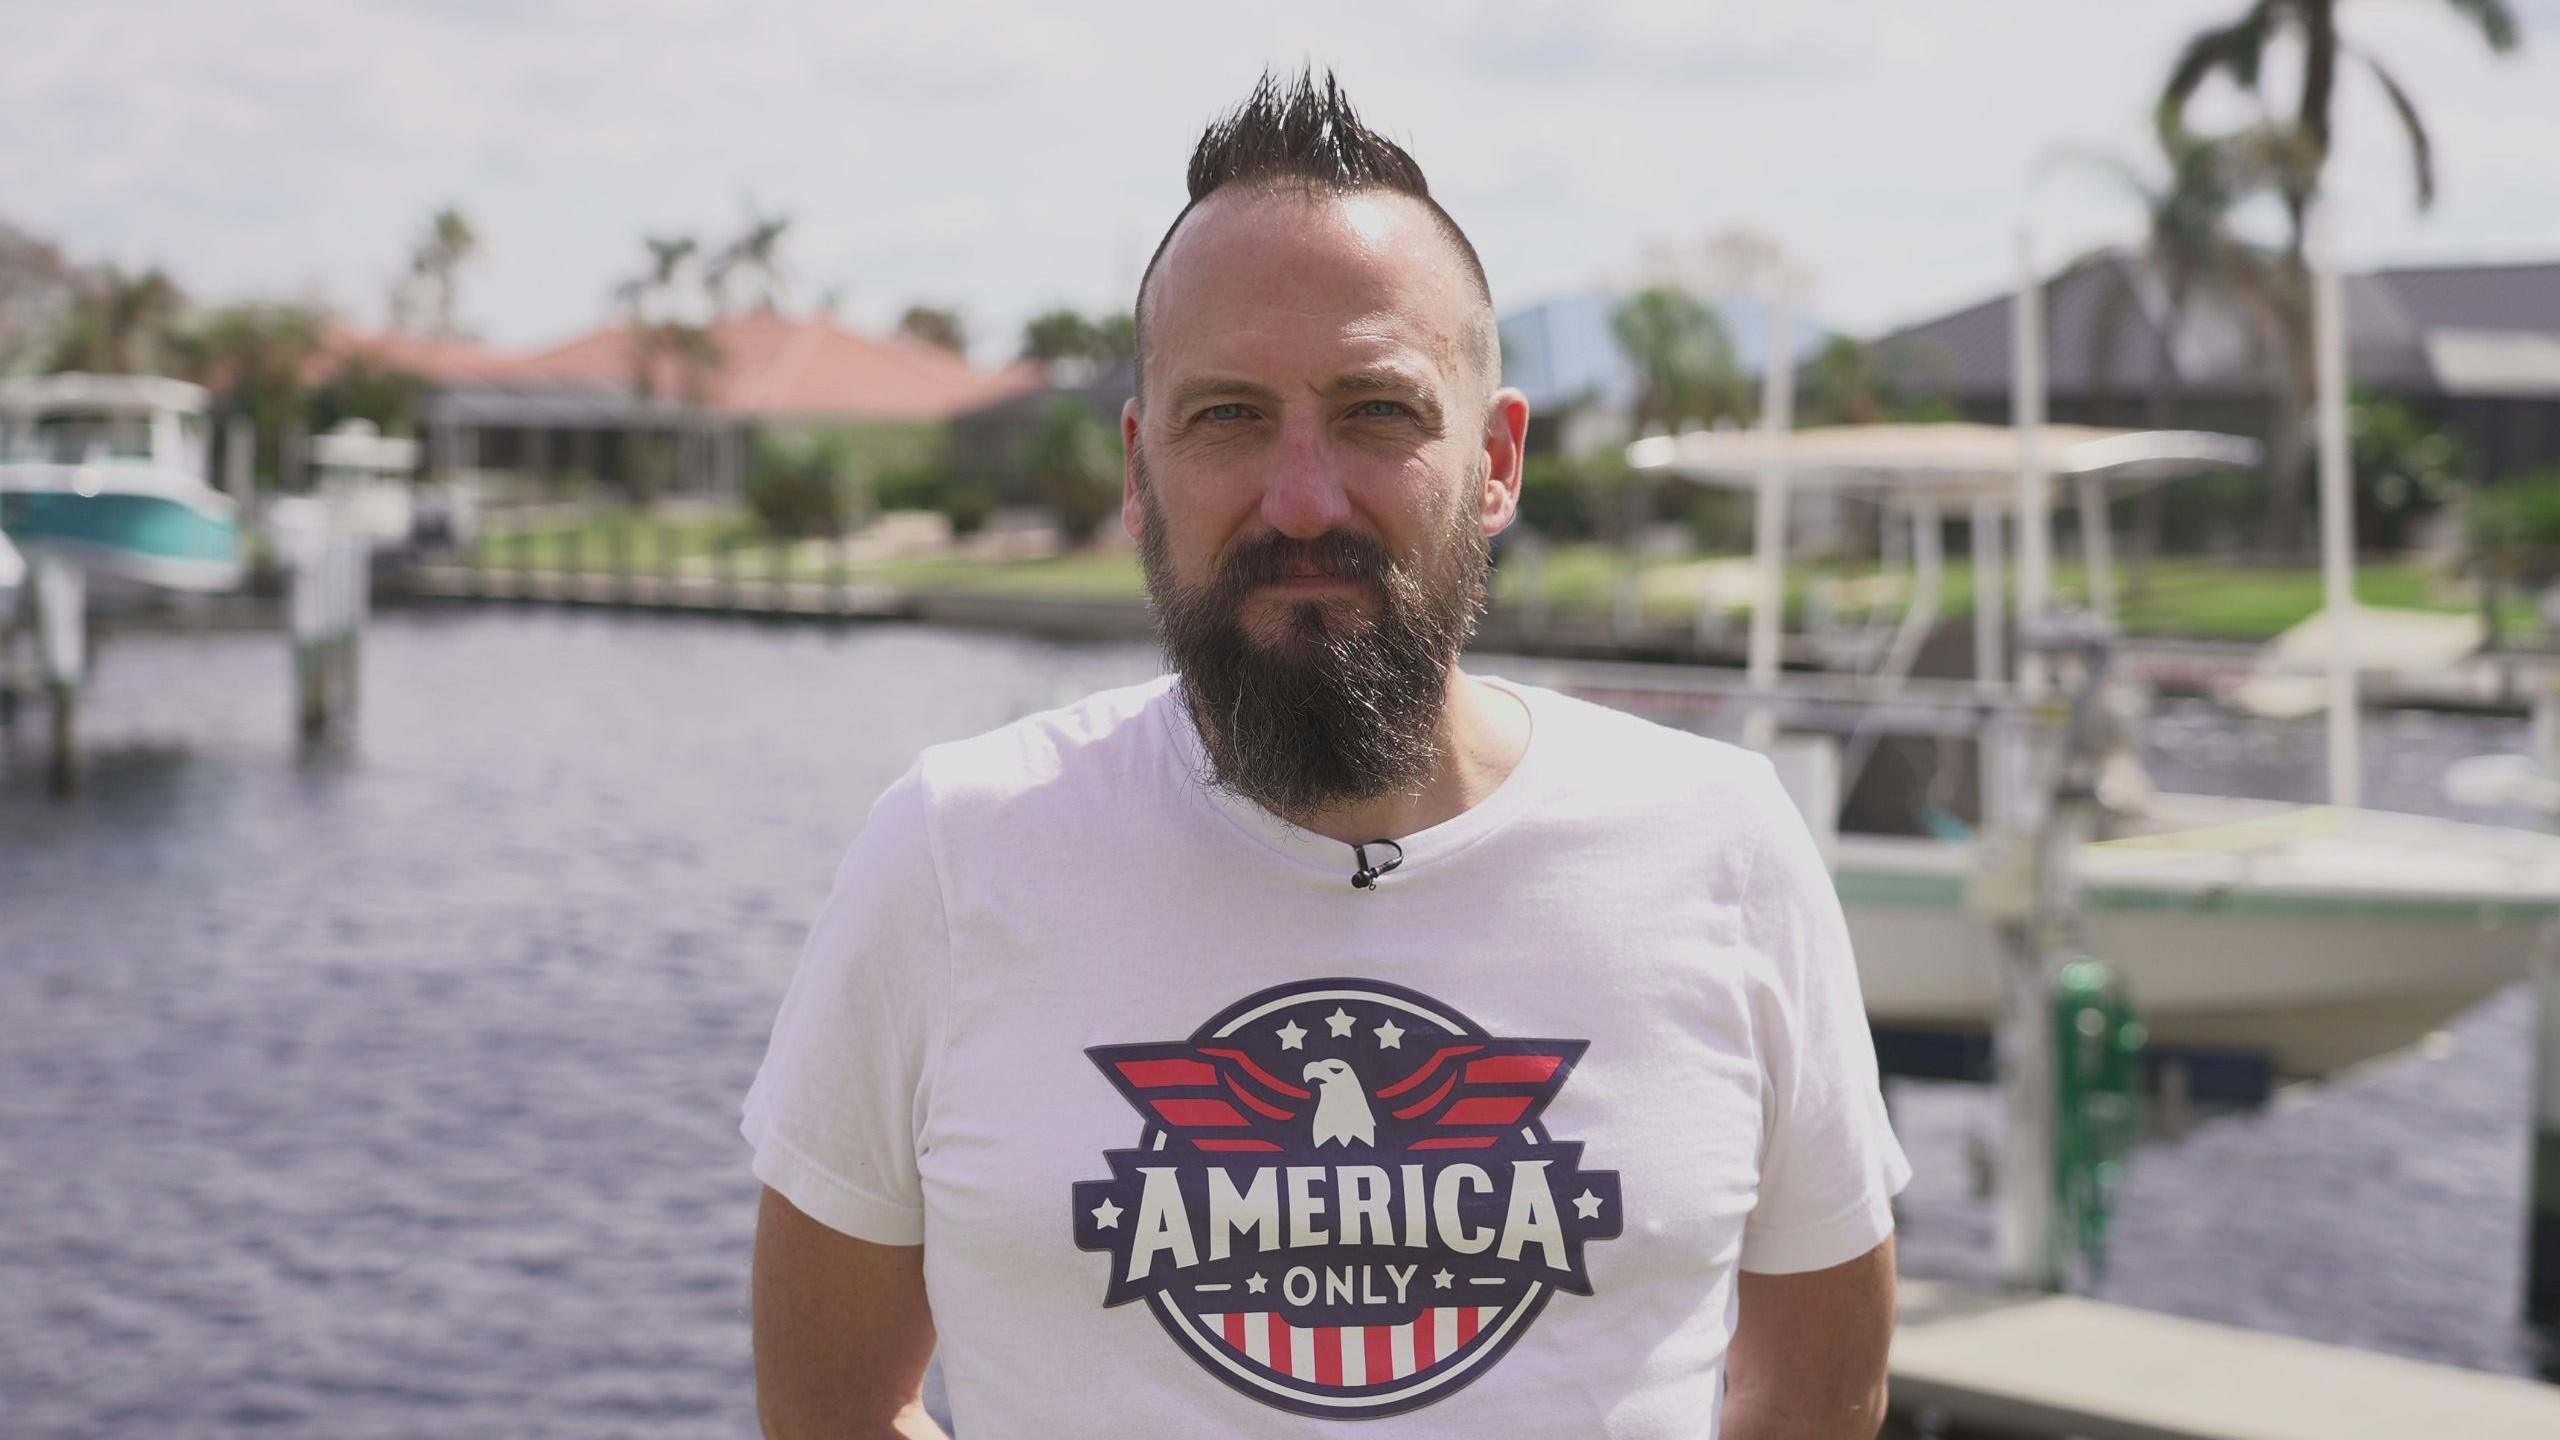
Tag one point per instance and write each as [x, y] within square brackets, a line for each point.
[2501, 683]
[2054, 1365]
[754, 591]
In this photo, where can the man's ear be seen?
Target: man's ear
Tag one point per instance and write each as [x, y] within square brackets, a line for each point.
[1506, 440]
[1133, 515]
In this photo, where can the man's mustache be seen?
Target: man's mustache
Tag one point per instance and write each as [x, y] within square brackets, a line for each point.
[1334, 555]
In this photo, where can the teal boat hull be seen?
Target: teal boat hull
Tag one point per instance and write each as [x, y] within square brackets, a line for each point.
[155, 539]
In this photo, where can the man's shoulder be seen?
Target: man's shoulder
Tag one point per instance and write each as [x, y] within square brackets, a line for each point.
[1600, 745]
[1102, 740]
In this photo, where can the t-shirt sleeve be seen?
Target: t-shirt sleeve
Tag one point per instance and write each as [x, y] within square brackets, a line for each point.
[837, 1109]
[1830, 1165]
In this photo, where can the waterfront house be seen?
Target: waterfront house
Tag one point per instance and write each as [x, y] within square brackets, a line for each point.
[2472, 348]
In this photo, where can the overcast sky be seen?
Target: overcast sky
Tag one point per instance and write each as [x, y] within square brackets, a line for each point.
[1007, 157]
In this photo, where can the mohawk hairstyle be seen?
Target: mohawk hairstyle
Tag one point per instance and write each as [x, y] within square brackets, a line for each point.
[1302, 134]
[1288, 131]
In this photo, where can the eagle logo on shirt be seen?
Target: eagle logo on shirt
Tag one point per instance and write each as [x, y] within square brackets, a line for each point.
[1343, 1201]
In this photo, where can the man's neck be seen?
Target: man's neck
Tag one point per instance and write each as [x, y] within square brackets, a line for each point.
[1484, 730]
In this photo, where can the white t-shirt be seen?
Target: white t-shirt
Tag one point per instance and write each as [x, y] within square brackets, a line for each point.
[1201, 1140]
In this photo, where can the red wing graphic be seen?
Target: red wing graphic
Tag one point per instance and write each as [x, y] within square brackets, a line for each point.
[1464, 1097]
[1212, 1097]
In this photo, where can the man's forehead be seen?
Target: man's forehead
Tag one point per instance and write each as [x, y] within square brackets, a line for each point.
[1372, 263]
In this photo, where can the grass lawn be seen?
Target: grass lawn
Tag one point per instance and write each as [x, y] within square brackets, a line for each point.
[1090, 575]
[2186, 597]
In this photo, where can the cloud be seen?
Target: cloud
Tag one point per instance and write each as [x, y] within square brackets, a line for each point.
[1010, 156]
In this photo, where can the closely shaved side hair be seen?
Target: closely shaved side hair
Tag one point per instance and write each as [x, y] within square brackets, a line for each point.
[1302, 135]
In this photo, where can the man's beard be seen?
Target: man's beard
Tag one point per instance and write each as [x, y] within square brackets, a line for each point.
[1341, 708]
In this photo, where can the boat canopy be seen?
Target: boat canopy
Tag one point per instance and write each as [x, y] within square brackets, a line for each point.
[1950, 461]
[358, 447]
[98, 394]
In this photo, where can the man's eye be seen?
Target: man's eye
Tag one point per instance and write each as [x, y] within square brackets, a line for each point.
[1229, 411]
[1379, 409]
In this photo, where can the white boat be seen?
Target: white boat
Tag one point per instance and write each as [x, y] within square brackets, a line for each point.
[2311, 938]
[107, 473]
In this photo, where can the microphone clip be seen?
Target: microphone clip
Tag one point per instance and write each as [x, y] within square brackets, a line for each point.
[1365, 877]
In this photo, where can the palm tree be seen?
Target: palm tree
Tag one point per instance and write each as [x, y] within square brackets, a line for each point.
[1684, 358]
[696, 353]
[1686, 370]
[2190, 244]
[2239, 50]
[760, 251]
[120, 323]
[657, 333]
[668, 255]
[755, 252]
[449, 242]
[935, 325]
[38, 289]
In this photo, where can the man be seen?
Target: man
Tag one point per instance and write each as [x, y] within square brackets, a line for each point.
[1328, 1033]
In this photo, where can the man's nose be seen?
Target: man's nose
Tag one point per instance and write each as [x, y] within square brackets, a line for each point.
[1303, 494]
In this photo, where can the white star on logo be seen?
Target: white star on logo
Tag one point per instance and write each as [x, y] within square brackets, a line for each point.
[1389, 1037]
[1442, 1279]
[1107, 1215]
[1586, 1205]
[1255, 1284]
[1293, 1036]
[1339, 1020]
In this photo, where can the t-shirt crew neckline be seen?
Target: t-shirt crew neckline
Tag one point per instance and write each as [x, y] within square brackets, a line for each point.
[1331, 858]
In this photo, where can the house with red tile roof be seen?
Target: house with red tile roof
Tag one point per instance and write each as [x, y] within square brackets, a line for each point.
[804, 368]
[611, 405]
[438, 360]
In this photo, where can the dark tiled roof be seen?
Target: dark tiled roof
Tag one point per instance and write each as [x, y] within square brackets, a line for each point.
[2478, 297]
[2105, 312]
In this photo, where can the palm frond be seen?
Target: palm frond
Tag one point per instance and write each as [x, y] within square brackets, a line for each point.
[2421, 152]
[2239, 48]
[2495, 19]
[2131, 178]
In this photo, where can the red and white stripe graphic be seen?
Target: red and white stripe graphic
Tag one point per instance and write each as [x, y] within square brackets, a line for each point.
[1351, 1355]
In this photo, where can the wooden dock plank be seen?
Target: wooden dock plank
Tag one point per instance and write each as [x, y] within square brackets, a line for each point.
[2061, 1365]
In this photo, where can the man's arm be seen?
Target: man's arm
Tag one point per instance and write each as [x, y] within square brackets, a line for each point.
[1808, 1354]
[842, 1332]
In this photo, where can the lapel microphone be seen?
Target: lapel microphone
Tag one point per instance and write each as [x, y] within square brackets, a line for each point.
[1365, 877]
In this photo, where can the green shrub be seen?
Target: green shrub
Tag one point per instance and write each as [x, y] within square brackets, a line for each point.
[1719, 520]
[913, 485]
[1072, 458]
[1553, 501]
[967, 504]
[927, 482]
[2404, 469]
[2515, 526]
[797, 489]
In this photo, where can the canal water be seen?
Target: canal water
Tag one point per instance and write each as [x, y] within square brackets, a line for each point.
[391, 1089]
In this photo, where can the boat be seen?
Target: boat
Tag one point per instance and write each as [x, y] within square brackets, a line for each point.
[2308, 938]
[107, 473]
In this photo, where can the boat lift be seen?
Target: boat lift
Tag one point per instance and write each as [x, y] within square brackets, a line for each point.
[105, 477]
[2028, 867]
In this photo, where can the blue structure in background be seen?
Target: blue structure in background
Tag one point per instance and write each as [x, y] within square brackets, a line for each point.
[1562, 353]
